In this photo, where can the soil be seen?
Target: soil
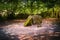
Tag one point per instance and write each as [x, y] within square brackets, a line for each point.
[15, 30]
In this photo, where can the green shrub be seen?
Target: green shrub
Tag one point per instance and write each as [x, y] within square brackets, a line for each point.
[21, 16]
[10, 14]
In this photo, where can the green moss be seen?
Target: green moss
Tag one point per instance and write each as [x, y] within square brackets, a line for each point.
[28, 21]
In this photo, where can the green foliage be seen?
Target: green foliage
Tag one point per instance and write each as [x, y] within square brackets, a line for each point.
[46, 8]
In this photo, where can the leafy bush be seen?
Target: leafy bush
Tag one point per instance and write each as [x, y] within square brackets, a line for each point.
[47, 8]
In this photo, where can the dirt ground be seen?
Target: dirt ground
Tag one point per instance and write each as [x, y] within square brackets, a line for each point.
[16, 30]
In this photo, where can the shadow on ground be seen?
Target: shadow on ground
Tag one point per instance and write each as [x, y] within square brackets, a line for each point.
[4, 36]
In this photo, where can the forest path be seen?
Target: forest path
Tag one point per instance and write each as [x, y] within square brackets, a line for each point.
[16, 27]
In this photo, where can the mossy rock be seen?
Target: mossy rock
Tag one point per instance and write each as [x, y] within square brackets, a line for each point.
[34, 19]
[37, 19]
[28, 21]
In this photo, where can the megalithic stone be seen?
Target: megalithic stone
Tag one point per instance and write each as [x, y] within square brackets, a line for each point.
[33, 19]
[28, 21]
[37, 19]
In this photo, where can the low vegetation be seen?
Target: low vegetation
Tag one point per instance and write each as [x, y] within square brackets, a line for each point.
[14, 9]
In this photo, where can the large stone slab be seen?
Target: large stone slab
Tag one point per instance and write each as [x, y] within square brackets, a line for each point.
[33, 19]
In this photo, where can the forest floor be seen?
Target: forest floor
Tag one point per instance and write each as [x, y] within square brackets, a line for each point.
[16, 27]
